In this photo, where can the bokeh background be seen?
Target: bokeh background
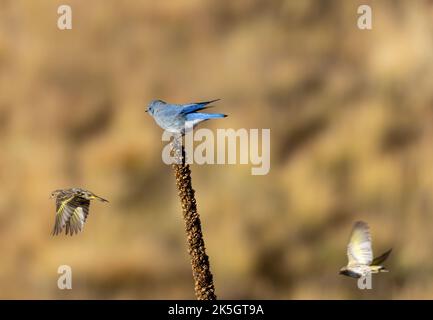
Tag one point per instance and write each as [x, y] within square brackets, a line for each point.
[350, 114]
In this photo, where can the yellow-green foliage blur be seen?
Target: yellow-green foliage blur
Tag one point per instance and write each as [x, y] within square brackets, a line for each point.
[351, 119]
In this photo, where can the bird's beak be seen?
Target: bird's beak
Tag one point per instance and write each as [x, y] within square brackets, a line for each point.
[146, 110]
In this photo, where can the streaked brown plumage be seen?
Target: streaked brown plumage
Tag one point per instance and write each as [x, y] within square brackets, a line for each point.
[72, 209]
[360, 253]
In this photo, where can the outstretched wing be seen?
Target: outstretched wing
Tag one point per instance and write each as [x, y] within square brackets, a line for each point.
[378, 260]
[62, 213]
[192, 107]
[71, 214]
[359, 249]
[77, 220]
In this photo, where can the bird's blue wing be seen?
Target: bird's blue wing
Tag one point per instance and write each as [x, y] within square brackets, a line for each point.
[192, 107]
[204, 116]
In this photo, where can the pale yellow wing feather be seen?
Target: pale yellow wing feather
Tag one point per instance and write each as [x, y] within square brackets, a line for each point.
[62, 215]
[359, 251]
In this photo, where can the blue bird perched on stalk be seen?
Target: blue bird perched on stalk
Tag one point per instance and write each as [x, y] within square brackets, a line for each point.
[178, 118]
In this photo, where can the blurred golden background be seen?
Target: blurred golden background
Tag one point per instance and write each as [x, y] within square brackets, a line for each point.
[350, 114]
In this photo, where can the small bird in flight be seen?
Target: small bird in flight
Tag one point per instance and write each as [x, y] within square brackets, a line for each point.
[176, 118]
[360, 254]
[72, 208]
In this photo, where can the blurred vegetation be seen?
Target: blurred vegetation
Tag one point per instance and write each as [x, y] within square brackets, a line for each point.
[350, 114]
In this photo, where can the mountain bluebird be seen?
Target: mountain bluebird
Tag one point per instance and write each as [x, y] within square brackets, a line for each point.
[178, 118]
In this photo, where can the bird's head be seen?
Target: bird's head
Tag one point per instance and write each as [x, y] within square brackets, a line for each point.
[343, 270]
[153, 105]
[347, 272]
[55, 193]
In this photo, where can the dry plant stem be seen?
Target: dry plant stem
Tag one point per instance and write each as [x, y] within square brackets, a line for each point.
[204, 287]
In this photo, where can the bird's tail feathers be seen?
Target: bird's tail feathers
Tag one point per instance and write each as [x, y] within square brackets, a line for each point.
[99, 198]
[377, 269]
